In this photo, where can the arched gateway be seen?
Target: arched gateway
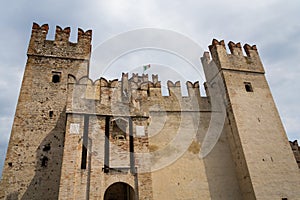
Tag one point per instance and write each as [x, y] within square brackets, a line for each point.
[119, 191]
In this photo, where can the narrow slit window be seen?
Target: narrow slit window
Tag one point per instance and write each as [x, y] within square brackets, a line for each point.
[85, 142]
[248, 87]
[84, 157]
[50, 114]
[56, 76]
[106, 147]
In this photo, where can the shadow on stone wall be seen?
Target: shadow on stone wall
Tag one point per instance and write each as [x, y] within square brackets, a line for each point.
[45, 183]
[220, 172]
[13, 196]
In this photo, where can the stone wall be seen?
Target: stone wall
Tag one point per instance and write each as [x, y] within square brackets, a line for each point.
[166, 151]
[264, 161]
[34, 156]
[75, 138]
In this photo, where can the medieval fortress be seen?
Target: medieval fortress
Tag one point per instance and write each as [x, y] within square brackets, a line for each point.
[74, 138]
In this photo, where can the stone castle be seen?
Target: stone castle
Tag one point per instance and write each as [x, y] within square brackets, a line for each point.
[74, 138]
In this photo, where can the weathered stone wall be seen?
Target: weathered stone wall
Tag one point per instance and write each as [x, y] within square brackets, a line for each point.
[167, 157]
[92, 181]
[190, 176]
[34, 156]
[260, 148]
[74, 138]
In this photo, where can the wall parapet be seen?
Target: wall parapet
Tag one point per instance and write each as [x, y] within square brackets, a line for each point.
[296, 150]
[137, 93]
[235, 60]
[60, 47]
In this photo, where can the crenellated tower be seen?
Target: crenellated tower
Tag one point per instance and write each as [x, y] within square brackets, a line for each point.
[34, 157]
[78, 138]
[266, 168]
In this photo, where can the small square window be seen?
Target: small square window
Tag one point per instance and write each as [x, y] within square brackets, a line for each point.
[248, 87]
[56, 77]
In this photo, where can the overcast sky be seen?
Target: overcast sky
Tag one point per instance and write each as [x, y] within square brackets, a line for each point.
[272, 25]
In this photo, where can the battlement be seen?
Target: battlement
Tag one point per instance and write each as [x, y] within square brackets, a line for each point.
[235, 60]
[295, 145]
[137, 92]
[61, 47]
[70, 131]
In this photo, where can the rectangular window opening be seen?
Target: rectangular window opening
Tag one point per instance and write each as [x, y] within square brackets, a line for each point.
[85, 142]
[106, 145]
[56, 76]
[131, 147]
[50, 114]
[248, 87]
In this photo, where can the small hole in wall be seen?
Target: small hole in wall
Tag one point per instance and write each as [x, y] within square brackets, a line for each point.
[46, 147]
[10, 164]
[56, 77]
[50, 114]
[284, 198]
[248, 87]
[44, 160]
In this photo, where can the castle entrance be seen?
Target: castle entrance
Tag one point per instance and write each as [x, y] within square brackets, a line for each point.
[119, 191]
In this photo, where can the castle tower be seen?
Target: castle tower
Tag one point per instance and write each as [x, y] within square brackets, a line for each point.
[265, 165]
[33, 163]
[75, 138]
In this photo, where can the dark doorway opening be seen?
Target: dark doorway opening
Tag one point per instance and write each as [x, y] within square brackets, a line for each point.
[119, 191]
